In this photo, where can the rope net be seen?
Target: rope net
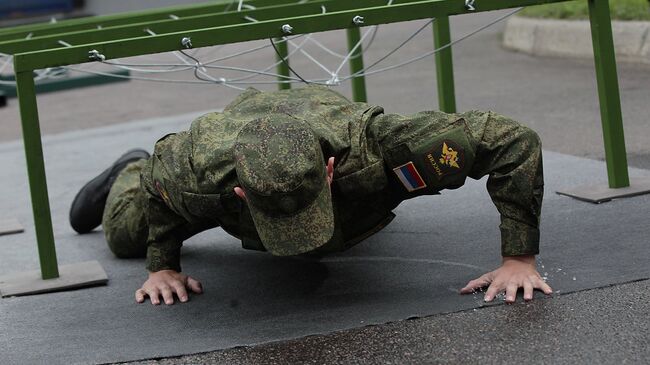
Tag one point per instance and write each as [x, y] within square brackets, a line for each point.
[222, 65]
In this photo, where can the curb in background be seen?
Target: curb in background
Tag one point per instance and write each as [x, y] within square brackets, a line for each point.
[572, 38]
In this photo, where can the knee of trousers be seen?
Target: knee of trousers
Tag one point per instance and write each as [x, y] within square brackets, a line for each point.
[122, 246]
[126, 238]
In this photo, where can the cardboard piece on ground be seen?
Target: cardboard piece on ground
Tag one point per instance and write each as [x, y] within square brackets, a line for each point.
[72, 276]
[10, 226]
[601, 193]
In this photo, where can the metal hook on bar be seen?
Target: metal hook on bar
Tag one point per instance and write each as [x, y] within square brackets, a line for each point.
[357, 20]
[94, 55]
[186, 42]
[469, 5]
[287, 29]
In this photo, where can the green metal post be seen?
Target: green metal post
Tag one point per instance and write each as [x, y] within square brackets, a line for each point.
[608, 93]
[283, 67]
[356, 65]
[36, 173]
[444, 65]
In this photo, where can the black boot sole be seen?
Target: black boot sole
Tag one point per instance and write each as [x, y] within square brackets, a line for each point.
[88, 205]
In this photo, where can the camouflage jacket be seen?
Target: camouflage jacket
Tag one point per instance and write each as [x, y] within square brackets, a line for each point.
[190, 178]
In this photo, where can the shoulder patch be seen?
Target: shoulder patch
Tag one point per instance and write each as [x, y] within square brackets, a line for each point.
[409, 176]
[445, 158]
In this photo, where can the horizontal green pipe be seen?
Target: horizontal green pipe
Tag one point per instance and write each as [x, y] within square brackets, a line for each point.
[115, 19]
[107, 21]
[185, 24]
[260, 30]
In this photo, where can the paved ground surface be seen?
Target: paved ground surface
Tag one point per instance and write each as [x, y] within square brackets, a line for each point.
[589, 327]
[556, 97]
[411, 269]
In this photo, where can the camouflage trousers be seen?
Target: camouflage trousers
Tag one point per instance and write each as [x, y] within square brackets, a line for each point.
[124, 220]
[125, 215]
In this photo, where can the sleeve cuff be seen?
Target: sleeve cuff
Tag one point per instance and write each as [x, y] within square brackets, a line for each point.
[518, 239]
[163, 259]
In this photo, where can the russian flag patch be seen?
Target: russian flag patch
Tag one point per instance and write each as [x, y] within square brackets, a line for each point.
[410, 177]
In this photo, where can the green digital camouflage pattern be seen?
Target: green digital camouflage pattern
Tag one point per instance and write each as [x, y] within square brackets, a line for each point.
[280, 166]
[187, 185]
[124, 220]
[493, 145]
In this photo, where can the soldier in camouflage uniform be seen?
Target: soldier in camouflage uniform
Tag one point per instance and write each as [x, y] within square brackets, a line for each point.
[307, 171]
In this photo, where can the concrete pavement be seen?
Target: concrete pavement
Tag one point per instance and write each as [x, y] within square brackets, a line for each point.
[600, 326]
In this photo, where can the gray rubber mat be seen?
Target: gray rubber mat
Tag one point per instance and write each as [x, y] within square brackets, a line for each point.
[412, 268]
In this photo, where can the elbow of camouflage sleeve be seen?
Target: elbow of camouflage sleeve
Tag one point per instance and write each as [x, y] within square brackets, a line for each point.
[518, 239]
[163, 259]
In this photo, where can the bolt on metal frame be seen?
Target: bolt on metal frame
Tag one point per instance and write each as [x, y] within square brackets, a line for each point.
[216, 23]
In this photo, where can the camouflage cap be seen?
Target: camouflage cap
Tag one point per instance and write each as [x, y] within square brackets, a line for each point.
[281, 168]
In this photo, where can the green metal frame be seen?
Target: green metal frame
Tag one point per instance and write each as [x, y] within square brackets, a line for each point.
[444, 65]
[608, 93]
[283, 65]
[125, 35]
[356, 65]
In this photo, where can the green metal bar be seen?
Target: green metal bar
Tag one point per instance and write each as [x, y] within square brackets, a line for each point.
[133, 30]
[36, 174]
[259, 30]
[608, 93]
[444, 65]
[106, 21]
[356, 65]
[283, 67]
[167, 26]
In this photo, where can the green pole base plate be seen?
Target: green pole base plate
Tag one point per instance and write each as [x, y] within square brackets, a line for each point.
[10, 226]
[599, 193]
[72, 276]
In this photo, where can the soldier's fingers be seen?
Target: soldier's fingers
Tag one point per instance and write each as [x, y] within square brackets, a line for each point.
[194, 285]
[167, 295]
[492, 291]
[180, 291]
[511, 292]
[528, 290]
[471, 286]
[154, 295]
[140, 295]
[541, 285]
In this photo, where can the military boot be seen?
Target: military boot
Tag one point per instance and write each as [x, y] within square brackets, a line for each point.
[88, 206]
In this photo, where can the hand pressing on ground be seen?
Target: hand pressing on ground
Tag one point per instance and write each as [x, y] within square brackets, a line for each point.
[166, 283]
[515, 272]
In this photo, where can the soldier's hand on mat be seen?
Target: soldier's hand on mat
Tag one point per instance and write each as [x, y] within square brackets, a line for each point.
[515, 272]
[165, 284]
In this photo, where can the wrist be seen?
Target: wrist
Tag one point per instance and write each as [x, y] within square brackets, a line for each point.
[161, 272]
[526, 259]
